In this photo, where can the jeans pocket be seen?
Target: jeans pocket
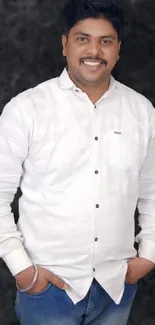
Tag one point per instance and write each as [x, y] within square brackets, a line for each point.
[38, 294]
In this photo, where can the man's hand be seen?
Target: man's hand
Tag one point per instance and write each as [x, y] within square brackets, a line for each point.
[45, 277]
[137, 268]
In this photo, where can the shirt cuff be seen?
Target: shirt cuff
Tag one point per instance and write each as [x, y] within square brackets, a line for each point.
[147, 250]
[17, 261]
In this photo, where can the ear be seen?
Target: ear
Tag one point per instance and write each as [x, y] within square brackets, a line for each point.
[64, 45]
[119, 48]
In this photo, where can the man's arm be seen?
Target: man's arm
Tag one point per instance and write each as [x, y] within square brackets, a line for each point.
[146, 201]
[145, 262]
[14, 145]
[14, 141]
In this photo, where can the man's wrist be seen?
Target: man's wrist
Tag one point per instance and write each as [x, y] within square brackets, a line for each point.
[31, 284]
[25, 277]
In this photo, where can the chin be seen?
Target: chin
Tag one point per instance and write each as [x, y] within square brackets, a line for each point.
[93, 80]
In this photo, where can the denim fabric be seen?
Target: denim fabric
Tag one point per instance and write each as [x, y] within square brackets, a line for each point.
[54, 307]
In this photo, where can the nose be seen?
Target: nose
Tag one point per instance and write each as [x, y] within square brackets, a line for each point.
[95, 48]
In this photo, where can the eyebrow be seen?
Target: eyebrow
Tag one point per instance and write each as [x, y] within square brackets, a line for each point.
[103, 37]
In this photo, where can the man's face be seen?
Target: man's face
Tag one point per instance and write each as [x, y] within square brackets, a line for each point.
[92, 50]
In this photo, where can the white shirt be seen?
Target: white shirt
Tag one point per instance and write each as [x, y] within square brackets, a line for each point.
[82, 169]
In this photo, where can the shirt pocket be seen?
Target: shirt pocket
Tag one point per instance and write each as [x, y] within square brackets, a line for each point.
[122, 150]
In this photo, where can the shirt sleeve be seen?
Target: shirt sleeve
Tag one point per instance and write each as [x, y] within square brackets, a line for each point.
[146, 201]
[14, 142]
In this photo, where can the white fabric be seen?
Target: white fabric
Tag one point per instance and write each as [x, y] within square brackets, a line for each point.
[48, 147]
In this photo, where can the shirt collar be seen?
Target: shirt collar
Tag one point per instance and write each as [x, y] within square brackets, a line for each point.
[66, 83]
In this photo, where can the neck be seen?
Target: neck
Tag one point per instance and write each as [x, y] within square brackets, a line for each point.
[95, 92]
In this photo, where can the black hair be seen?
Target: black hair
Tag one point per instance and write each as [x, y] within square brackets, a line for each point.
[77, 10]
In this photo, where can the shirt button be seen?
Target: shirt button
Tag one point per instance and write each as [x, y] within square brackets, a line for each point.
[96, 138]
[96, 239]
[94, 269]
[96, 172]
[97, 206]
[94, 106]
[77, 90]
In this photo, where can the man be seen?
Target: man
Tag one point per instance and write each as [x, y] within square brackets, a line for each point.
[82, 149]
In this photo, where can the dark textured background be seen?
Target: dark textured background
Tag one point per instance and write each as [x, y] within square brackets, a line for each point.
[30, 52]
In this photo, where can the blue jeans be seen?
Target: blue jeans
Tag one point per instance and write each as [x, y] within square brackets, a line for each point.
[54, 307]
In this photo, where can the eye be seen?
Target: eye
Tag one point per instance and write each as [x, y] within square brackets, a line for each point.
[82, 39]
[106, 41]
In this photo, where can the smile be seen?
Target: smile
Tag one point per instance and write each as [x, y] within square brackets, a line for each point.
[92, 64]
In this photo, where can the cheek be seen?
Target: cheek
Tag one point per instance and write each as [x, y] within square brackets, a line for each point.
[74, 55]
[112, 56]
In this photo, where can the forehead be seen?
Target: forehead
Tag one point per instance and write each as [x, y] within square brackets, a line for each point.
[94, 27]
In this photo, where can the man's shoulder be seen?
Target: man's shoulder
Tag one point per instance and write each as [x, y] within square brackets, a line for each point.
[36, 99]
[130, 93]
[136, 102]
[39, 91]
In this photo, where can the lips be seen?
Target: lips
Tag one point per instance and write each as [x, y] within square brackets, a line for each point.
[92, 66]
[92, 63]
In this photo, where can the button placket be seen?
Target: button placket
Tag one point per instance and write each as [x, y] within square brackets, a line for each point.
[96, 172]
[97, 185]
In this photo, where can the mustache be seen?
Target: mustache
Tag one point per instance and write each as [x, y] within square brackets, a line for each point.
[95, 59]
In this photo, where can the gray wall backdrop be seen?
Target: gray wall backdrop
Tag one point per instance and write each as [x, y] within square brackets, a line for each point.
[30, 52]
